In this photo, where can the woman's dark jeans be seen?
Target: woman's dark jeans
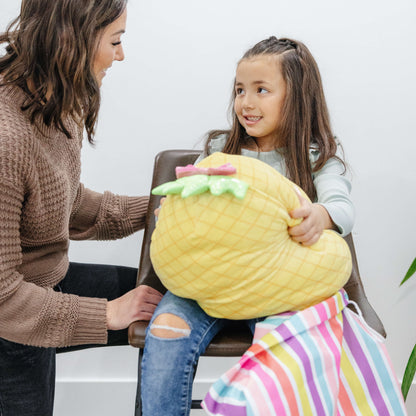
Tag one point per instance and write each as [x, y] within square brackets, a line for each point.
[27, 374]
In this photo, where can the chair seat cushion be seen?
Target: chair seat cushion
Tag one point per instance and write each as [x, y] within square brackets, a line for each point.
[235, 256]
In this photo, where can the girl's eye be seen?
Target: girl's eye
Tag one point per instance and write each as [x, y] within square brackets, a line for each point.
[116, 43]
[239, 91]
[262, 90]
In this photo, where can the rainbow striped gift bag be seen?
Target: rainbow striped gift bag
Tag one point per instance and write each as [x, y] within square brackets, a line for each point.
[324, 360]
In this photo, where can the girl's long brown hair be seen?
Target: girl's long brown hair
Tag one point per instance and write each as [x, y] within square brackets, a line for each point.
[51, 45]
[305, 118]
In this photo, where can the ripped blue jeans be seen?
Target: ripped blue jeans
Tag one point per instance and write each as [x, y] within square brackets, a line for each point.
[169, 363]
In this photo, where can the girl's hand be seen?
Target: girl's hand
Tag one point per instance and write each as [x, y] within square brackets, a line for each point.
[315, 220]
[136, 305]
[157, 210]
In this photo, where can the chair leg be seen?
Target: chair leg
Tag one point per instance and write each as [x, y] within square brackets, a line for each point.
[196, 404]
[138, 408]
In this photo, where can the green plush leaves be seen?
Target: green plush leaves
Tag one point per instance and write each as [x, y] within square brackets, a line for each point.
[198, 184]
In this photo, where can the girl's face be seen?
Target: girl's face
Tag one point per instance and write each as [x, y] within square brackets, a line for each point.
[109, 47]
[260, 93]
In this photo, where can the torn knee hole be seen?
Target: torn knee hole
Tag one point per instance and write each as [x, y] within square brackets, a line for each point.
[168, 325]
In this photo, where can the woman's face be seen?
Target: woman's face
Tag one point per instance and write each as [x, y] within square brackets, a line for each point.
[109, 47]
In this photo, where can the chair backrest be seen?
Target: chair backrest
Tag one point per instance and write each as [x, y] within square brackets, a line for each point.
[164, 171]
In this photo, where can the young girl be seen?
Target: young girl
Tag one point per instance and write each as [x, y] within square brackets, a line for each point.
[56, 55]
[280, 117]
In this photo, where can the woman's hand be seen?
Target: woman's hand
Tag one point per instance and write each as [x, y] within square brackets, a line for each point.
[315, 220]
[136, 305]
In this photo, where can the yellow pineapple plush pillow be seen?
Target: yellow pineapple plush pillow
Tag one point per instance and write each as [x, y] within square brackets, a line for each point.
[233, 253]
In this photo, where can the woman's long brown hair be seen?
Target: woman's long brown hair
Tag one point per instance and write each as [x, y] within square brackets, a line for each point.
[305, 118]
[51, 45]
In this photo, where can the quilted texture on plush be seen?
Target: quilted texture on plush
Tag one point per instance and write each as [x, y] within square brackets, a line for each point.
[235, 257]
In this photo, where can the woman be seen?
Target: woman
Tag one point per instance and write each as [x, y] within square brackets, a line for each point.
[57, 53]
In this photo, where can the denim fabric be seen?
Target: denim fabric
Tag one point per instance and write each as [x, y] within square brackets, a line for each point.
[27, 374]
[168, 365]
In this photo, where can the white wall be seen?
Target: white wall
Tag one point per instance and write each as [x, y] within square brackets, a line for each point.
[175, 85]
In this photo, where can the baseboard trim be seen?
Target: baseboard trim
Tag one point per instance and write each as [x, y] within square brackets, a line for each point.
[109, 397]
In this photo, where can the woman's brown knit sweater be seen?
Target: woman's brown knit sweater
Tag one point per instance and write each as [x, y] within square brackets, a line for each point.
[42, 206]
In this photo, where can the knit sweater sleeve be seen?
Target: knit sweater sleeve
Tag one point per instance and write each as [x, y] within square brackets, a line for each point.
[106, 216]
[31, 314]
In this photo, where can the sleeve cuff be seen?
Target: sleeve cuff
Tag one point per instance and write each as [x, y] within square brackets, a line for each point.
[340, 219]
[91, 327]
[137, 211]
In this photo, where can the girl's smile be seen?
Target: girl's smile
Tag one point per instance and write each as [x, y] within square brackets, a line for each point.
[251, 120]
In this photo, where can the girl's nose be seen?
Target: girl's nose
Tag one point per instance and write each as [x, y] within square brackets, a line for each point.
[248, 102]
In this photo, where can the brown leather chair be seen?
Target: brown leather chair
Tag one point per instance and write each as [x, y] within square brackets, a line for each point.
[235, 339]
